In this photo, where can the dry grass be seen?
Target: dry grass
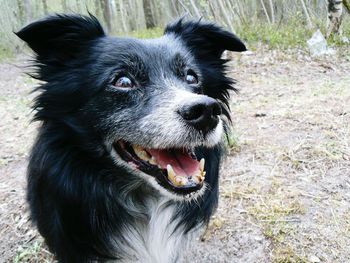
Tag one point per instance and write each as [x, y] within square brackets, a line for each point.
[294, 134]
[35, 252]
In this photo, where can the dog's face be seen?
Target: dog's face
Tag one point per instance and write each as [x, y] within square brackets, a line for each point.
[151, 102]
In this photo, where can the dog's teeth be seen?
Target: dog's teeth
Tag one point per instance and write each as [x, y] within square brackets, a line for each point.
[177, 180]
[199, 178]
[201, 164]
[171, 173]
[153, 161]
[141, 153]
[202, 177]
[180, 180]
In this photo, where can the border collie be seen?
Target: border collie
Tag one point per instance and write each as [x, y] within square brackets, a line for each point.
[125, 164]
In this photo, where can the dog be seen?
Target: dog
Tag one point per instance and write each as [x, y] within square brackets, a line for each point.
[125, 164]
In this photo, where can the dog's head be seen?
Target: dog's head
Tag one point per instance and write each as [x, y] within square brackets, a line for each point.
[150, 102]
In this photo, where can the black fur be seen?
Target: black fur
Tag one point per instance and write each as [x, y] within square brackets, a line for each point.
[80, 200]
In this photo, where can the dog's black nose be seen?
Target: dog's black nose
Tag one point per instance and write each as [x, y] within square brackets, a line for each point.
[202, 114]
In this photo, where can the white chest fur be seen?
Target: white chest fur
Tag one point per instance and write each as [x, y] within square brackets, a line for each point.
[159, 241]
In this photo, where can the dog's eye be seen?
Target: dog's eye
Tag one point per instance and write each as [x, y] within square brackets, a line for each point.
[123, 82]
[191, 77]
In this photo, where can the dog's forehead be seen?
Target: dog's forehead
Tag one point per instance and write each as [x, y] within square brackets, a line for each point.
[167, 44]
[158, 50]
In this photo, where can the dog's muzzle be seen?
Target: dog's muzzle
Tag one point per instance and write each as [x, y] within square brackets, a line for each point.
[177, 170]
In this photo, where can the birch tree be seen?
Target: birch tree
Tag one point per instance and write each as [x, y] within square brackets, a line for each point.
[272, 11]
[64, 5]
[45, 7]
[106, 7]
[308, 19]
[27, 11]
[265, 11]
[147, 7]
[335, 9]
[347, 5]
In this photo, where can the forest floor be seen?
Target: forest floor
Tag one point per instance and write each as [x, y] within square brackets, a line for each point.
[285, 186]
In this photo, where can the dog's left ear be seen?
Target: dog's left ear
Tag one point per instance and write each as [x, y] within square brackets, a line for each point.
[60, 37]
[206, 40]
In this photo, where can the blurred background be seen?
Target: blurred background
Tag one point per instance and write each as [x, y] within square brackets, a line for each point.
[278, 23]
[285, 184]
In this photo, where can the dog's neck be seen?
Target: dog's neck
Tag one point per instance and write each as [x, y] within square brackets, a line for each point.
[159, 239]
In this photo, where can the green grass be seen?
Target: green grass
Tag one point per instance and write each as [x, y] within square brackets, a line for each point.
[231, 142]
[147, 33]
[284, 35]
[291, 34]
[345, 27]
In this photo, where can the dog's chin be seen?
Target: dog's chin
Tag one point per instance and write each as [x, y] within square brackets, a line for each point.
[175, 172]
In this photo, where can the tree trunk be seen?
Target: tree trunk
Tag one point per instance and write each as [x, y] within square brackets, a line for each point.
[27, 11]
[308, 19]
[335, 9]
[98, 8]
[175, 8]
[185, 8]
[265, 11]
[46, 10]
[122, 16]
[64, 5]
[79, 7]
[21, 13]
[347, 5]
[225, 15]
[147, 7]
[195, 9]
[272, 11]
[107, 14]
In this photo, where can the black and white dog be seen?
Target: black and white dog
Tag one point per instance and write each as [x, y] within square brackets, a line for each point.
[125, 165]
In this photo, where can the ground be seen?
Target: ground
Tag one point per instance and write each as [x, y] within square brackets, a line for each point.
[285, 185]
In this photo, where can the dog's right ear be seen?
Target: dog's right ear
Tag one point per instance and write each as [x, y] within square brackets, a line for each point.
[60, 37]
[205, 40]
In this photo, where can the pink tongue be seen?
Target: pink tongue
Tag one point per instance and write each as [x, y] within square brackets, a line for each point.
[181, 162]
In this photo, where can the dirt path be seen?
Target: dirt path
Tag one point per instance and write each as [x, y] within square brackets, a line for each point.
[285, 187]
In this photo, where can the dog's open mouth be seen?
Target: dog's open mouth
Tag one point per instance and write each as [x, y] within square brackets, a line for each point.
[177, 170]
